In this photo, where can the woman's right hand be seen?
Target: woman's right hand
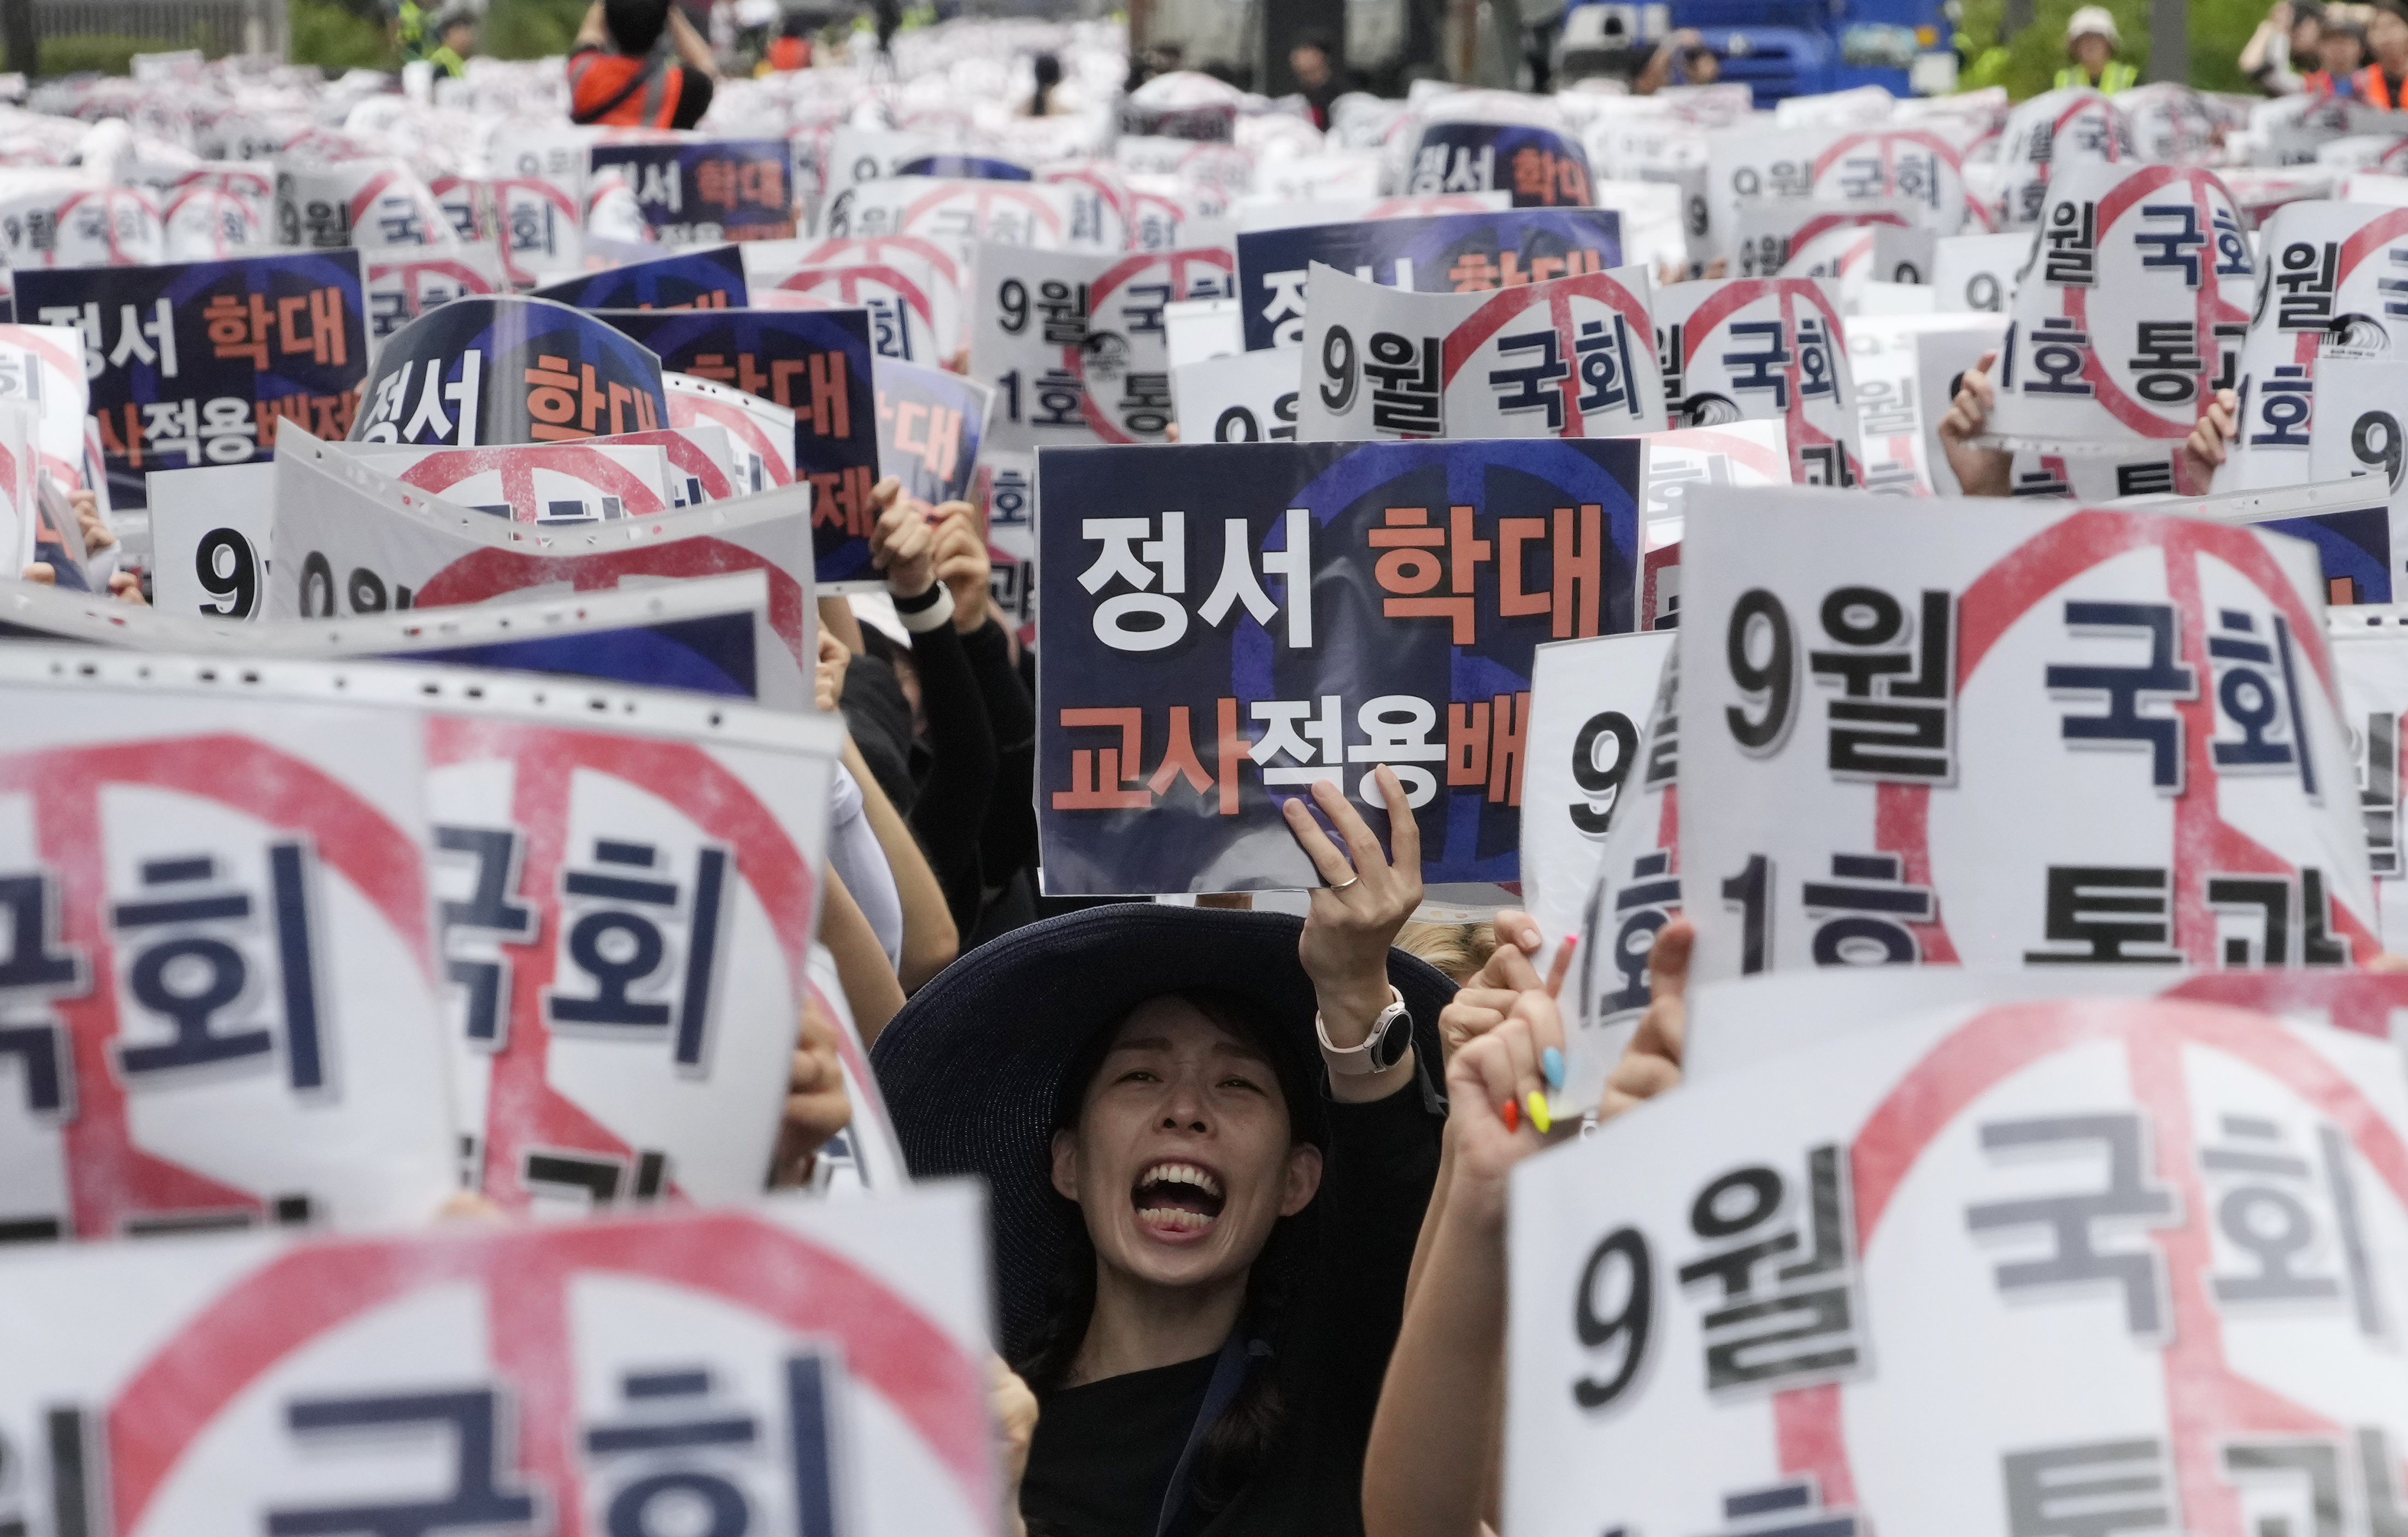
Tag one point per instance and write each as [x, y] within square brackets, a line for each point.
[1651, 1063]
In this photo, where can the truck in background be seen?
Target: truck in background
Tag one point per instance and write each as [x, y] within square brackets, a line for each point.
[1777, 47]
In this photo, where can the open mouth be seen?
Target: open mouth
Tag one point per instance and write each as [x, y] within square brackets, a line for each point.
[1173, 1197]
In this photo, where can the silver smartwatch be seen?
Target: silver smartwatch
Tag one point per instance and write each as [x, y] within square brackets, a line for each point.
[1392, 1032]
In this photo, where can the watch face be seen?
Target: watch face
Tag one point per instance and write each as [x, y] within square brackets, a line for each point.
[1396, 1034]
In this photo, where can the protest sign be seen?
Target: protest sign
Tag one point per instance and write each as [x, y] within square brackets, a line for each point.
[2372, 660]
[1145, 780]
[198, 364]
[77, 224]
[929, 279]
[2047, 136]
[817, 367]
[1265, 210]
[807, 1366]
[1742, 453]
[957, 215]
[2324, 300]
[759, 436]
[929, 426]
[402, 285]
[1817, 239]
[221, 989]
[711, 278]
[540, 225]
[372, 203]
[1589, 700]
[1539, 167]
[1243, 398]
[1443, 253]
[1741, 1021]
[2156, 690]
[1073, 343]
[902, 316]
[1979, 272]
[1568, 358]
[44, 365]
[355, 541]
[2134, 309]
[2346, 521]
[627, 909]
[547, 483]
[1194, 330]
[1941, 1189]
[2341, 424]
[711, 634]
[481, 371]
[20, 513]
[1764, 348]
[700, 191]
[1912, 171]
[1005, 491]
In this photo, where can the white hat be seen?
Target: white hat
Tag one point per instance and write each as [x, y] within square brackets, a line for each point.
[2089, 21]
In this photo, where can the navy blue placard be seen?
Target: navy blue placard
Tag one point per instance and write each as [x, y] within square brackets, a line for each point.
[1443, 253]
[704, 189]
[688, 279]
[509, 370]
[929, 424]
[816, 363]
[2353, 547]
[974, 168]
[712, 654]
[195, 364]
[1436, 568]
[1541, 167]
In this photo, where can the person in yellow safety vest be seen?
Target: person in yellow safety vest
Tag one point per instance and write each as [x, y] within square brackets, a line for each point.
[455, 38]
[410, 30]
[2090, 36]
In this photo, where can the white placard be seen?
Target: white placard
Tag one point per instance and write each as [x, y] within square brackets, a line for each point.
[2131, 313]
[352, 541]
[1941, 360]
[828, 1356]
[372, 203]
[2050, 1216]
[552, 485]
[2037, 735]
[909, 321]
[1897, 435]
[1742, 453]
[1764, 349]
[211, 532]
[226, 1013]
[2373, 661]
[45, 365]
[1255, 213]
[405, 283]
[626, 919]
[960, 214]
[1588, 701]
[1073, 343]
[1241, 397]
[1979, 272]
[760, 433]
[1566, 358]
[1195, 330]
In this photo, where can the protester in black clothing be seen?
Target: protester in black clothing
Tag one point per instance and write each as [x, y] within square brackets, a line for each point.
[1203, 1222]
[1048, 76]
[1314, 63]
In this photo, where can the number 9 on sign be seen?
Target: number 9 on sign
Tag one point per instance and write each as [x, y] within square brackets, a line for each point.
[228, 569]
[2375, 440]
[1758, 622]
[1338, 367]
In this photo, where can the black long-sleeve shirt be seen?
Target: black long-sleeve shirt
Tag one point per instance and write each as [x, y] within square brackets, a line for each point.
[949, 813]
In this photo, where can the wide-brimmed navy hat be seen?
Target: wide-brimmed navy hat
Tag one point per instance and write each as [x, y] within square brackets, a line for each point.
[971, 1067]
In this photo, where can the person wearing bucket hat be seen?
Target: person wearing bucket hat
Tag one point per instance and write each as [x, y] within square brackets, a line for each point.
[1209, 1137]
[2091, 40]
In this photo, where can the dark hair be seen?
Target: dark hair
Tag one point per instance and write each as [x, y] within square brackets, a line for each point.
[636, 25]
[1319, 42]
[1246, 1429]
[1048, 75]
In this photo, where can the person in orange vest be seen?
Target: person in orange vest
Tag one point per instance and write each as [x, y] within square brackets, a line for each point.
[620, 74]
[2341, 53]
[2380, 84]
[790, 50]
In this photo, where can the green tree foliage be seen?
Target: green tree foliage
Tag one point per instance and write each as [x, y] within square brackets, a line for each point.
[2027, 64]
[530, 29]
[332, 35]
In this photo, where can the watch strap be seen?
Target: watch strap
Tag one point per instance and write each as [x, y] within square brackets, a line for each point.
[1361, 1062]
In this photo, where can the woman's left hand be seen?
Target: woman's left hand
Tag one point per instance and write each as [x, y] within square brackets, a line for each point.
[1362, 903]
[817, 1107]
